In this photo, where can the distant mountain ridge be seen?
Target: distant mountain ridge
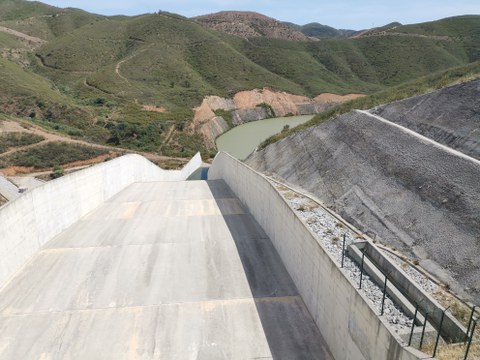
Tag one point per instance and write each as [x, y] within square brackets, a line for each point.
[133, 81]
[247, 24]
[317, 30]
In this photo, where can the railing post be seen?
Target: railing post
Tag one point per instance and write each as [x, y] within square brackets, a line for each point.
[423, 331]
[471, 338]
[361, 269]
[343, 248]
[384, 292]
[439, 330]
[470, 322]
[413, 326]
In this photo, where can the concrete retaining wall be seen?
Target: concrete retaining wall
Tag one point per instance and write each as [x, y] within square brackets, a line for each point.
[30, 221]
[451, 328]
[349, 325]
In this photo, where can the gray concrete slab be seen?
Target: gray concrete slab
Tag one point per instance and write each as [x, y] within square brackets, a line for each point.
[163, 270]
[7, 189]
[26, 182]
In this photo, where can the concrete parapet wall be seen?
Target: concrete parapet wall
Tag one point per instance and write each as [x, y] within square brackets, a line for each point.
[349, 325]
[30, 221]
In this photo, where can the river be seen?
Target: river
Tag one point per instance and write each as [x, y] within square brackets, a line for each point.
[242, 140]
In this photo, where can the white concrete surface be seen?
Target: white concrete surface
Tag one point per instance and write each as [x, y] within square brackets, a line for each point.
[350, 326]
[7, 189]
[26, 182]
[162, 270]
[30, 221]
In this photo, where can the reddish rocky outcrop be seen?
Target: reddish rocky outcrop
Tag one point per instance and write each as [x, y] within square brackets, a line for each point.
[256, 105]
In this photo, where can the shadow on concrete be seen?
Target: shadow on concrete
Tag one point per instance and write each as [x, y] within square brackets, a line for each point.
[288, 327]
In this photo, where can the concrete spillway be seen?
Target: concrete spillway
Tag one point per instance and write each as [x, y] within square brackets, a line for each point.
[162, 270]
[125, 260]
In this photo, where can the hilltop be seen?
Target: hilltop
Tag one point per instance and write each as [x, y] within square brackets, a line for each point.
[322, 31]
[247, 24]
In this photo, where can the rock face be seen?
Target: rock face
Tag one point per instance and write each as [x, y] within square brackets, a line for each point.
[390, 183]
[450, 116]
[249, 24]
[213, 128]
[256, 105]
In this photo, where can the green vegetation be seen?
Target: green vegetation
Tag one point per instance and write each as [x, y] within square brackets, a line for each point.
[27, 94]
[94, 75]
[409, 89]
[42, 20]
[57, 172]
[464, 29]
[226, 115]
[323, 31]
[50, 154]
[17, 139]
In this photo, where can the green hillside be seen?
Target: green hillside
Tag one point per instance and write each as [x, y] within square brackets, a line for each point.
[322, 31]
[408, 89]
[41, 20]
[27, 94]
[459, 29]
[95, 74]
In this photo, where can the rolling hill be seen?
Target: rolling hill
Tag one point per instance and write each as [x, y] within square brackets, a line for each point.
[322, 31]
[133, 81]
[250, 24]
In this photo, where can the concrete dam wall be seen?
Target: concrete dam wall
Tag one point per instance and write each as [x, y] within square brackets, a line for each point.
[108, 261]
[409, 191]
[350, 326]
[30, 221]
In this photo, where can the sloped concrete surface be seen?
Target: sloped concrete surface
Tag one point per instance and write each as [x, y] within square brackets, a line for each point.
[350, 324]
[163, 270]
[37, 216]
[27, 182]
[7, 189]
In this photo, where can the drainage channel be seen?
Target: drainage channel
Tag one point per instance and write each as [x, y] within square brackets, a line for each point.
[392, 294]
[200, 174]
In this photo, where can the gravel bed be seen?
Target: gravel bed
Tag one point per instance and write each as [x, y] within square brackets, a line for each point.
[421, 280]
[330, 231]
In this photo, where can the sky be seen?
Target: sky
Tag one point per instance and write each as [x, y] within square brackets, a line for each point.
[341, 14]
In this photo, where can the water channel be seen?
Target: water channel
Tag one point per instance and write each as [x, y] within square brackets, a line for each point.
[242, 140]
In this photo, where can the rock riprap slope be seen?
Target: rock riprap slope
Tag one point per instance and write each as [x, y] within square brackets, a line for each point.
[404, 189]
[450, 116]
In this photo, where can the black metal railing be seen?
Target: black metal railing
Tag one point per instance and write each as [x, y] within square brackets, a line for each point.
[472, 323]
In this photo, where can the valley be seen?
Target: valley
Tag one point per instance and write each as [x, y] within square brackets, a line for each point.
[284, 147]
[102, 79]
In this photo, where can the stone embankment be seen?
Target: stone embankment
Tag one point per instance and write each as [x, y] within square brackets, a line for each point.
[217, 115]
[410, 192]
[450, 116]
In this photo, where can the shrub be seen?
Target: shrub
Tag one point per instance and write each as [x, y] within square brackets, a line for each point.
[57, 172]
[17, 139]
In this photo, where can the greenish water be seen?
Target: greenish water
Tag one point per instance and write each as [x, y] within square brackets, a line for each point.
[242, 140]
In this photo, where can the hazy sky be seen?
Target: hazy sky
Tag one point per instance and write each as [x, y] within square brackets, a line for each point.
[346, 14]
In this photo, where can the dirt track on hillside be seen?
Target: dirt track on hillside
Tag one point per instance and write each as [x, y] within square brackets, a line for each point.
[32, 39]
[13, 126]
